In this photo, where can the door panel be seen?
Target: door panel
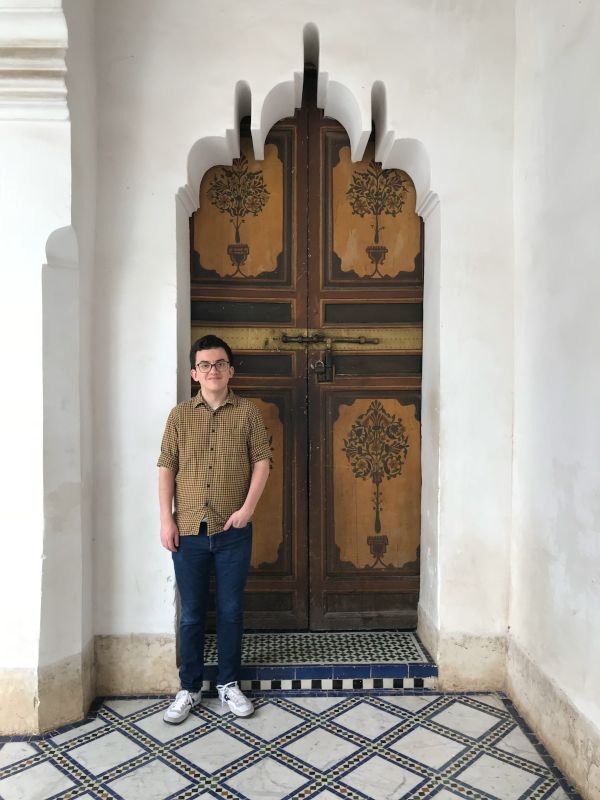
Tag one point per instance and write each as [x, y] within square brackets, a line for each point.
[368, 220]
[244, 228]
[365, 474]
[365, 285]
[311, 267]
[248, 278]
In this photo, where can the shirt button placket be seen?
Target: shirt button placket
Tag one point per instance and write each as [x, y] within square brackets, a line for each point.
[213, 430]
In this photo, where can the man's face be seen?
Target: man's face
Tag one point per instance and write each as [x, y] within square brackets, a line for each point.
[214, 378]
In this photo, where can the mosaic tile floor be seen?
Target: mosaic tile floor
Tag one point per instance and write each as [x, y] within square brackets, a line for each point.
[382, 647]
[357, 745]
[366, 660]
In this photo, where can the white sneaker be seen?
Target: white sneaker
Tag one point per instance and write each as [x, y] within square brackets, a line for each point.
[237, 701]
[181, 706]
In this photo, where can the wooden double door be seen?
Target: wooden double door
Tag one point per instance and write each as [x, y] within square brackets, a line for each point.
[311, 268]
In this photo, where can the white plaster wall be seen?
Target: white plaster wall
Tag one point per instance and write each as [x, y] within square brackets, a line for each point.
[81, 86]
[23, 155]
[61, 590]
[555, 602]
[34, 201]
[166, 78]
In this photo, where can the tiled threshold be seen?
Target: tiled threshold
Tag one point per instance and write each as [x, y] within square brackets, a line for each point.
[329, 661]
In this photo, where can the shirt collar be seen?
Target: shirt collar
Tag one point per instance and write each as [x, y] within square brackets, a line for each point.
[230, 399]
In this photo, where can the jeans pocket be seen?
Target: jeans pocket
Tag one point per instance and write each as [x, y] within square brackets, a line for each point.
[241, 531]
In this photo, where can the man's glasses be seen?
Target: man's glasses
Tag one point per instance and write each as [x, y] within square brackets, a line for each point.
[206, 366]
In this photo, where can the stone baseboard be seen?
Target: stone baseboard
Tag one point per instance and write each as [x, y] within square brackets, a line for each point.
[465, 663]
[569, 736]
[37, 700]
[137, 664]
[471, 663]
[428, 632]
[18, 701]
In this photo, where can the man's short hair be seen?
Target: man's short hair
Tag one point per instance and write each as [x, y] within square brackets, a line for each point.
[209, 342]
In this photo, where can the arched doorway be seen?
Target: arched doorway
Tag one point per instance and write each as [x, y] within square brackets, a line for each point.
[311, 267]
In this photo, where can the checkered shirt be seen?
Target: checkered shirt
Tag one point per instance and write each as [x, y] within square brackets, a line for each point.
[211, 454]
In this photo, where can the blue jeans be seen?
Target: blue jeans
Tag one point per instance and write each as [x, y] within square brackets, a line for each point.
[229, 553]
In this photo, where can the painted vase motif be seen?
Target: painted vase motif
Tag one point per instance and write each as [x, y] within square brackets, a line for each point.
[376, 448]
[238, 192]
[376, 191]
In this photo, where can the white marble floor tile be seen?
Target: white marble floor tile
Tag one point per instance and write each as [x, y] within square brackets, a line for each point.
[518, 744]
[217, 742]
[36, 783]
[367, 720]
[379, 779]
[80, 730]
[105, 752]
[269, 722]
[201, 796]
[214, 751]
[12, 752]
[465, 719]
[321, 749]
[559, 794]
[497, 778]
[411, 702]
[214, 705]
[317, 704]
[427, 747]
[266, 780]
[126, 707]
[490, 700]
[152, 781]
[161, 730]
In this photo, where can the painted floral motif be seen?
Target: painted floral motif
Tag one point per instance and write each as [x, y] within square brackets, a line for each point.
[377, 191]
[238, 192]
[377, 448]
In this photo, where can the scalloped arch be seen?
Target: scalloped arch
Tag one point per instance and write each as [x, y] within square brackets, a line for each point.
[354, 110]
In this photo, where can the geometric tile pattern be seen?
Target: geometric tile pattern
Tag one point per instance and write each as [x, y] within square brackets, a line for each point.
[344, 660]
[368, 647]
[381, 745]
[305, 681]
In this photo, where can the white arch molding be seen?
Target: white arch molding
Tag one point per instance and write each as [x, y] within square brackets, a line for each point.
[355, 113]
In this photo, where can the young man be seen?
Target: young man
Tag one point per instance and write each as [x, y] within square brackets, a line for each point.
[214, 464]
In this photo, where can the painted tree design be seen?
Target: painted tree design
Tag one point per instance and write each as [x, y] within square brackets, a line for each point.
[377, 448]
[377, 191]
[238, 191]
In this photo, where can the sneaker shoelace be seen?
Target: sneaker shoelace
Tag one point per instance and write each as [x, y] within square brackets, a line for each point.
[231, 691]
[182, 699]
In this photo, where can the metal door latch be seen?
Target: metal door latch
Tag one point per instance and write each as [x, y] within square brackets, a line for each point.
[324, 368]
[355, 340]
[310, 339]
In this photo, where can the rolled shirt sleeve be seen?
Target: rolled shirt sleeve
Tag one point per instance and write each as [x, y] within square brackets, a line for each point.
[169, 449]
[259, 446]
